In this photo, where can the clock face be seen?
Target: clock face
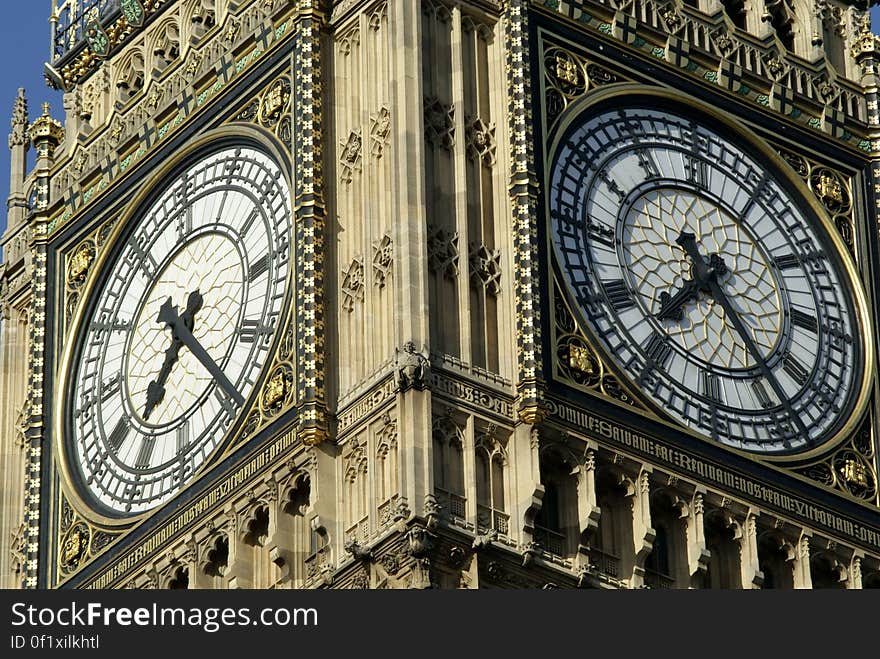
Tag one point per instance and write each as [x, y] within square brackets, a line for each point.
[180, 329]
[710, 286]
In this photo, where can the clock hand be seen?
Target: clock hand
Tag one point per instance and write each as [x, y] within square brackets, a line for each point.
[672, 306]
[709, 277]
[168, 315]
[156, 388]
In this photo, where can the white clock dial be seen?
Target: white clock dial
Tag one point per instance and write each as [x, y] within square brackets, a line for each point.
[708, 283]
[181, 328]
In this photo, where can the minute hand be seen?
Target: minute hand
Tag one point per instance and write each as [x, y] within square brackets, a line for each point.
[688, 242]
[182, 332]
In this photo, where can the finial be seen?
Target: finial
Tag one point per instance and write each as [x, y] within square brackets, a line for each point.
[19, 122]
[46, 129]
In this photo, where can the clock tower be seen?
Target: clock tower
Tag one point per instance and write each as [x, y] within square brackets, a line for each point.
[472, 294]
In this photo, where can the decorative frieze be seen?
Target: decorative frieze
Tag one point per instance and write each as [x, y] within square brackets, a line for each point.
[474, 395]
[366, 405]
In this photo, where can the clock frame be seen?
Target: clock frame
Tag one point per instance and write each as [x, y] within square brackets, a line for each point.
[212, 142]
[622, 95]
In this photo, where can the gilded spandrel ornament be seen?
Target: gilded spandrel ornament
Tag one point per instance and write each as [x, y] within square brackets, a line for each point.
[80, 263]
[566, 69]
[855, 473]
[275, 102]
[277, 389]
[74, 547]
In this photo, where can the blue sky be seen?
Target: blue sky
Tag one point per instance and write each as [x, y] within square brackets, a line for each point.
[24, 47]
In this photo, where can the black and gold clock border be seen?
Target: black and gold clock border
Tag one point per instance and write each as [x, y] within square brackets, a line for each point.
[80, 242]
[567, 53]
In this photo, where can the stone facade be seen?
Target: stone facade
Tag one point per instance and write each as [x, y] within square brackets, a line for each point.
[433, 415]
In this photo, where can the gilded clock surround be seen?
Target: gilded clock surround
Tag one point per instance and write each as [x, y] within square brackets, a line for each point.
[828, 192]
[90, 524]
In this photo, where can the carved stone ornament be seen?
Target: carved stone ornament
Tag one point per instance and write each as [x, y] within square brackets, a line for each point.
[380, 130]
[353, 284]
[485, 265]
[443, 252]
[350, 156]
[383, 257]
[439, 123]
[19, 134]
[412, 367]
[480, 141]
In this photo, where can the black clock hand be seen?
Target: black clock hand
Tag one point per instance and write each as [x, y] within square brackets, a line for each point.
[168, 315]
[672, 306]
[709, 277]
[156, 388]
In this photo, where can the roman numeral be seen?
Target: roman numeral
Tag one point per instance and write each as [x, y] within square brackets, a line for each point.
[144, 259]
[258, 268]
[658, 351]
[711, 386]
[185, 223]
[600, 233]
[118, 435]
[146, 450]
[248, 223]
[182, 438]
[697, 171]
[795, 369]
[618, 294]
[761, 394]
[251, 330]
[117, 326]
[805, 321]
[647, 162]
[612, 185]
[787, 262]
[109, 388]
[227, 404]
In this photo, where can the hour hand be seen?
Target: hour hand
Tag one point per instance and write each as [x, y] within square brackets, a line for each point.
[672, 306]
[182, 332]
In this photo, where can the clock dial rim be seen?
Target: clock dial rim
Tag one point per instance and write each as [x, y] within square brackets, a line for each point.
[64, 450]
[620, 96]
